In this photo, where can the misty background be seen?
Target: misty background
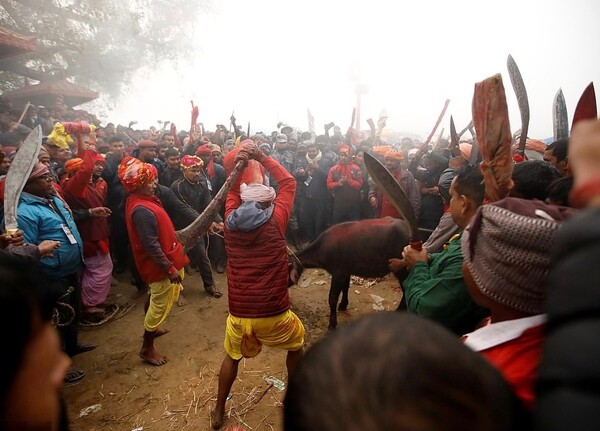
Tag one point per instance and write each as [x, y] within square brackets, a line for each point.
[270, 60]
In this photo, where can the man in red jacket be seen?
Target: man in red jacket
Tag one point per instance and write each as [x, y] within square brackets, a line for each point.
[158, 255]
[344, 181]
[257, 273]
[83, 190]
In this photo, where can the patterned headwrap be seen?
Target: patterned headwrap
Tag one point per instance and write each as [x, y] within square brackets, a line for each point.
[39, 169]
[190, 161]
[507, 249]
[73, 165]
[256, 192]
[134, 174]
[394, 155]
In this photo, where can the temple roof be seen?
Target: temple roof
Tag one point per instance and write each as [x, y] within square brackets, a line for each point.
[45, 93]
[13, 43]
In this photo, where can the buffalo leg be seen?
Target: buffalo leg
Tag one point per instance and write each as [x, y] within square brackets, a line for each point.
[345, 285]
[337, 286]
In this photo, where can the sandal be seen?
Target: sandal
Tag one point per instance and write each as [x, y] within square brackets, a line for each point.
[74, 375]
[211, 291]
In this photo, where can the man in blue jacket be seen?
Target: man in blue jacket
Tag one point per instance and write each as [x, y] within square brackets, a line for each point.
[43, 216]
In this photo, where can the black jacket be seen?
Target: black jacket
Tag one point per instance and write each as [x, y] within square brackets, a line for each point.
[569, 383]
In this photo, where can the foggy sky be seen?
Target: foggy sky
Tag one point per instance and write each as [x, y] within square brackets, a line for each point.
[269, 60]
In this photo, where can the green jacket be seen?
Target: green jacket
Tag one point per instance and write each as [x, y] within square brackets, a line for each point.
[437, 290]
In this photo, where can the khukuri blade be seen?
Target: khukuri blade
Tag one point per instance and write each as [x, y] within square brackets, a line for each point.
[388, 185]
[586, 107]
[519, 86]
[560, 119]
[191, 234]
[454, 148]
[17, 176]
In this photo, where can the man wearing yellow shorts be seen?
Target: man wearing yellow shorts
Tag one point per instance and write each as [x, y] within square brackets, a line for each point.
[158, 256]
[257, 269]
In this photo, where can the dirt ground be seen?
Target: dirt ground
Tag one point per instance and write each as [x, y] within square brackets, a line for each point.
[121, 392]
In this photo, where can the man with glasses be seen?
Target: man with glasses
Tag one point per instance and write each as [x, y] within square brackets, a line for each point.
[43, 216]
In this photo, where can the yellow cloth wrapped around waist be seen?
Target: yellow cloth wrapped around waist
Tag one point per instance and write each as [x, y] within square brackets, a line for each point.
[244, 337]
[163, 295]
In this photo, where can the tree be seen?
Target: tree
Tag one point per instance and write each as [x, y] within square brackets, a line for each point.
[97, 43]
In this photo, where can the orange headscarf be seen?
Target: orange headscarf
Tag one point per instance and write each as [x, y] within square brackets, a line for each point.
[73, 165]
[134, 174]
[394, 155]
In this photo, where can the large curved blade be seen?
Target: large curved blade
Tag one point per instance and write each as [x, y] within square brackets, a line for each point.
[454, 148]
[519, 86]
[18, 174]
[560, 119]
[388, 185]
[586, 107]
[192, 233]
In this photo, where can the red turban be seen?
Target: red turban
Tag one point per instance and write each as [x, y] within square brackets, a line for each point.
[134, 174]
[204, 150]
[190, 161]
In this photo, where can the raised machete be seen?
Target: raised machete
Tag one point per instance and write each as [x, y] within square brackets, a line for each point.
[17, 177]
[388, 184]
[519, 86]
[586, 107]
[454, 145]
[560, 119]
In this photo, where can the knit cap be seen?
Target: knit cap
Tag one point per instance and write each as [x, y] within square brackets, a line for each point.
[507, 248]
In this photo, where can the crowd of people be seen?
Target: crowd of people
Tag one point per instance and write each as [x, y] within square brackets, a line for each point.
[490, 285]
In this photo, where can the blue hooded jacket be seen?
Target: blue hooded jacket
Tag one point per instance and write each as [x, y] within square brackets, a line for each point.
[42, 219]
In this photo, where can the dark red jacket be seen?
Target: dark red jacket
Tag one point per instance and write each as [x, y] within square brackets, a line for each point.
[148, 267]
[257, 261]
[80, 193]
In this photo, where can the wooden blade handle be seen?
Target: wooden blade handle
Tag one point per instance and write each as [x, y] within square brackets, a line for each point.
[416, 245]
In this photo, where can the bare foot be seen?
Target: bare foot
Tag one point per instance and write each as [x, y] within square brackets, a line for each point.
[181, 302]
[216, 419]
[153, 357]
[160, 332]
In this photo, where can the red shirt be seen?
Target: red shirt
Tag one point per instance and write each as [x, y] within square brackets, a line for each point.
[517, 358]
